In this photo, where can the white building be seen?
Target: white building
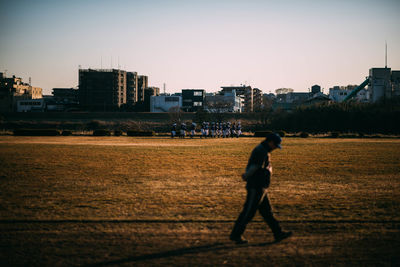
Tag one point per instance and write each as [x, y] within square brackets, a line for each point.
[31, 105]
[339, 93]
[225, 102]
[164, 103]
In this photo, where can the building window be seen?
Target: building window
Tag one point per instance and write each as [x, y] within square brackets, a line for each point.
[198, 93]
[30, 103]
[197, 104]
[172, 99]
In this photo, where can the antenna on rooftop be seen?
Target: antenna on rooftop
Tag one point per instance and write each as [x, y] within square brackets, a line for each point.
[101, 62]
[164, 88]
[30, 81]
[118, 63]
[385, 54]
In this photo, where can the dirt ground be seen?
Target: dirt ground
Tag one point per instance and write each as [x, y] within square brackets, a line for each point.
[86, 201]
[197, 243]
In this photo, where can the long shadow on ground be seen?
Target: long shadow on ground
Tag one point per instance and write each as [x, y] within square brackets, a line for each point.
[179, 252]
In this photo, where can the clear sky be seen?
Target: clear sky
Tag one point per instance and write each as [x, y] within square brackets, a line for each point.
[201, 44]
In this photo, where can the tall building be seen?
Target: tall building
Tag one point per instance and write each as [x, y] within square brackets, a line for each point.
[13, 89]
[380, 85]
[257, 99]
[243, 91]
[143, 83]
[131, 88]
[102, 89]
[193, 99]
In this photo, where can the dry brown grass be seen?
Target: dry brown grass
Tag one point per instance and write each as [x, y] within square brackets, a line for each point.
[189, 192]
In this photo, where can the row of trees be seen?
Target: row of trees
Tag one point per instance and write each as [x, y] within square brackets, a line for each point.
[350, 117]
[382, 117]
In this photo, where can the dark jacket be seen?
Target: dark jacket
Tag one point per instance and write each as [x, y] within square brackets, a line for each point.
[259, 157]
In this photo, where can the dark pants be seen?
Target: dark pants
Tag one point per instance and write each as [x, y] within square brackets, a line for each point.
[256, 199]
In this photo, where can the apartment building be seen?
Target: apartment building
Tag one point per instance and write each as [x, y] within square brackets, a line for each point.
[193, 99]
[131, 88]
[143, 83]
[13, 89]
[102, 89]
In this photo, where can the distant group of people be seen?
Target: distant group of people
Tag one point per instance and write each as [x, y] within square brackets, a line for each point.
[212, 130]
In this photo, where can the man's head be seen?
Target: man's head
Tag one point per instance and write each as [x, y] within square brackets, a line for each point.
[274, 141]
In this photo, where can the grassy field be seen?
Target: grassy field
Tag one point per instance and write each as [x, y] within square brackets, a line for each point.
[155, 201]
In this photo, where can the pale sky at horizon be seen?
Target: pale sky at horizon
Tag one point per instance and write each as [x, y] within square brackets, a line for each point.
[201, 44]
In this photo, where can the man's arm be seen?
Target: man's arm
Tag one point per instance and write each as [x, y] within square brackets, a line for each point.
[250, 171]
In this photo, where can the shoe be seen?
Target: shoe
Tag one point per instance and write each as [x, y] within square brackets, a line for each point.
[238, 239]
[282, 235]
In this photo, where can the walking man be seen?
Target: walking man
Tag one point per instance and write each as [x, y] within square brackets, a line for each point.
[257, 175]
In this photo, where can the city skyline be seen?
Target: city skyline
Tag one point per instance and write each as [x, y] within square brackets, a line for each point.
[207, 44]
